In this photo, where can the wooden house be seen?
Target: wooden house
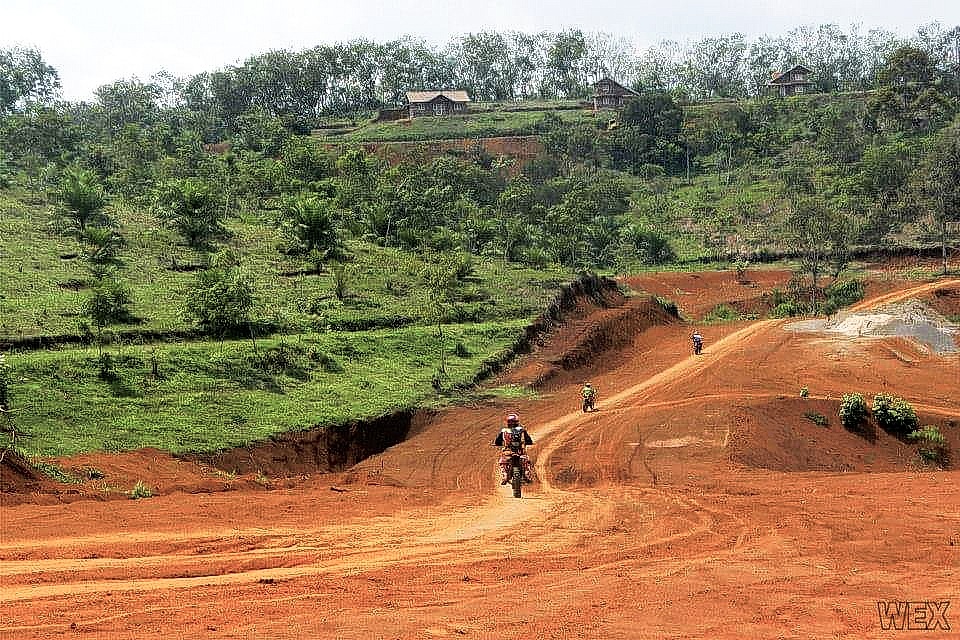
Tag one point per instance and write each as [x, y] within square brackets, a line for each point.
[791, 82]
[609, 94]
[437, 103]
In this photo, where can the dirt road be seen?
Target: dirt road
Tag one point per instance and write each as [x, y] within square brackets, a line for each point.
[699, 501]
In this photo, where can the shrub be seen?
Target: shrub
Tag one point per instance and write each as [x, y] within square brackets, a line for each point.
[191, 207]
[853, 411]
[804, 392]
[140, 490]
[669, 306]
[720, 313]
[109, 303]
[841, 294]
[786, 310]
[220, 300]
[894, 414]
[817, 418]
[933, 446]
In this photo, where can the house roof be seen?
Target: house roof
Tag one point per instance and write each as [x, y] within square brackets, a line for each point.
[429, 96]
[782, 77]
[617, 88]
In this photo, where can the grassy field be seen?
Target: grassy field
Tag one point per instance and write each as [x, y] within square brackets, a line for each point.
[479, 123]
[206, 396]
[45, 279]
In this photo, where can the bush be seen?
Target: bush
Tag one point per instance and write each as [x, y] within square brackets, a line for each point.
[721, 313]
[817, 418]
[220, 300]
[933, 446]
[894, 415]
[140, 490]
[853, 411]
[804, 392]
[841, 294]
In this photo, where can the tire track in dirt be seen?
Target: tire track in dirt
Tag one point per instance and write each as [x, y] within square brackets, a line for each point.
[497, 517]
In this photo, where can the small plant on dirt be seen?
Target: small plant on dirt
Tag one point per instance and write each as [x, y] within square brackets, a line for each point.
[817, 418]
[932, 444]
[853, 411]
[894, 415]
[804, 392]
[741, 269]
[722, 313]
[140, 490]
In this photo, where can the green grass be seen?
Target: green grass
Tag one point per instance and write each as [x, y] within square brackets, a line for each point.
[480, 123]
[210, 396]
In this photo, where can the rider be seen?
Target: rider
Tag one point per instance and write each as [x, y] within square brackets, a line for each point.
[697, 340]
[589, 394]
[513, 439]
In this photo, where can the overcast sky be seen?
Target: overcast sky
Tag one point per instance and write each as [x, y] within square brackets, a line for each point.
[93, 42]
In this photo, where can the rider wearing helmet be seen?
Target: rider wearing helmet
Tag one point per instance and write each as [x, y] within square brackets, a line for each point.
[589, 396]
[697, 341]
[513, 440]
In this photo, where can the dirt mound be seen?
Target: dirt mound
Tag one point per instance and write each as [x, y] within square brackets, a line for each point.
[783, 435]
[911, 319]
[946, 301]
[16, 474]
[585, 340]
[696, 294]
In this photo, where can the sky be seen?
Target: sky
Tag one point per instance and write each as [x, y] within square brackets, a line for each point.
[93, 42]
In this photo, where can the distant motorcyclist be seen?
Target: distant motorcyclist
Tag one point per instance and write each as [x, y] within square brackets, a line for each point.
[589, 397]
[697, 342]
[513, 439]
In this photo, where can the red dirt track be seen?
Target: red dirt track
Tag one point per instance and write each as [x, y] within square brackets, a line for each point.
[698, 501]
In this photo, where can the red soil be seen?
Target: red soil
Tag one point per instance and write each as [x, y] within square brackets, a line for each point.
[698, 501]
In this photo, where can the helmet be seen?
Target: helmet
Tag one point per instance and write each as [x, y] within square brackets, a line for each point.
[513, 420]
[586, 384]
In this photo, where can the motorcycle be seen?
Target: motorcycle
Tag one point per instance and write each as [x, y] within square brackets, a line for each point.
[588, 404]
[517, 476]
[697, 346]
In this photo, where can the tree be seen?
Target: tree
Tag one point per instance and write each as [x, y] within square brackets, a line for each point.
[441, 282]
[25, 78]
[654, 113]
[191, 207]
[81, 195]
[909, 97]
[938, 184]
[109, 303]
[882, 181]
[309, 225]
[103, 244]
[220, 300]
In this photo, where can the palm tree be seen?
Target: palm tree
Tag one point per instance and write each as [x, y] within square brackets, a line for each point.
[81, 195]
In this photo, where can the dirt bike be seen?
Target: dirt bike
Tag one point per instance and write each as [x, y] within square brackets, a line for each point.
[516, 475]
[588, 404]
[697, 347]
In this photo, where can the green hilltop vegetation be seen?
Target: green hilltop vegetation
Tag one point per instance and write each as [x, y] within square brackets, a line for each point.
[161, 288]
